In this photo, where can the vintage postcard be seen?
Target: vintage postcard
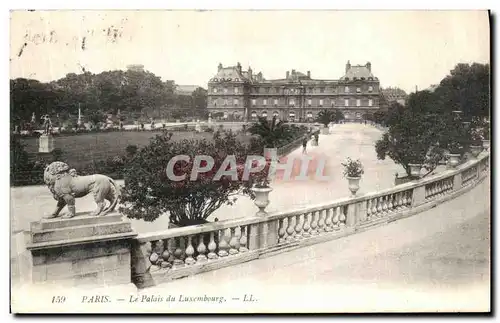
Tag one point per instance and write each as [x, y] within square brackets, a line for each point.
[250, 161]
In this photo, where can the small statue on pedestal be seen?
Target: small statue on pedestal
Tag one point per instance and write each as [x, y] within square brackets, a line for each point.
[65, 185]
[47, 124]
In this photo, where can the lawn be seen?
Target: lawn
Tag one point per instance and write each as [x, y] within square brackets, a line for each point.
[81, 150]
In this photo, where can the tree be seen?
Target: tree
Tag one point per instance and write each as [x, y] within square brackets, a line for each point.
[467, 88]
[327, 115]
[272, 132]
[412, 139]
[149, 192]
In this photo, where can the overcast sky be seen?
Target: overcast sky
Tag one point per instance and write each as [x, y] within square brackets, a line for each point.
[406, 48]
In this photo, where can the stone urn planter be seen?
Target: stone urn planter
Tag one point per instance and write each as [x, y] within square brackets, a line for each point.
[486, 144]
[475, 150]
[353, 184]
[454, 160]
[415, 169]
[262, 199]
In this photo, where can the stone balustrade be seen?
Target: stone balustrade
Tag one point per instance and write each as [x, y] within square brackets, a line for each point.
[179, 252]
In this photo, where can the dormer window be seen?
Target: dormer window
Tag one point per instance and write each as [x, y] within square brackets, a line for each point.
[358, 90]
[346, 89]
[236, 90]
[215, 90]
[370, 79]
[236, 79]
[355, 78]
[362, 79]
[370, 89]
[347, 79]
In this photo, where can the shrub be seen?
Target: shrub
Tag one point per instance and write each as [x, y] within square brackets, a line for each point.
[353, 168]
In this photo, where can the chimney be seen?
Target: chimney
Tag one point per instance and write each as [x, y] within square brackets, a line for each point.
[369, 66]
[287, 74]
[220, 67]
[347, 66]
[309, 74]
[239, 67]
[250, 71]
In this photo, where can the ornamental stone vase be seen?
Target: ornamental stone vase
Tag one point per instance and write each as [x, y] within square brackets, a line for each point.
[475, 150]
[415, 169]
[486, 144]
[262, 199]
[353, 184]
[454, 160]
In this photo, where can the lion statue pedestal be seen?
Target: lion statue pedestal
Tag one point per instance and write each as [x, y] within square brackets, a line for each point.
[86, 248]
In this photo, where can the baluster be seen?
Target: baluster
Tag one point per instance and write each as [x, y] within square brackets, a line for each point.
[189, 253]
[223, 246]
[167, 254]
[391, 205]
[385, 204]
[404, 199]
[336, 218]
[212, 246]
[178, 262]
[244, 238]
[374, 207]
[368, 208]
[306, 225]
[298, 227]
[233, 243]
[400, 200]
[281, 230]
[408, 198]
[342, 217]
[328, 220]
[379, 206]
[201, 249]
[154, 258]
[290, 229]
[314, 223]
[321, 222]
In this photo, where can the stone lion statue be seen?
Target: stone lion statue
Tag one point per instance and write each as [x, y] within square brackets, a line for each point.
[65, 185]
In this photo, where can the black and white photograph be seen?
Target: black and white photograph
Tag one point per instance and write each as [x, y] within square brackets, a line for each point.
[250, 161]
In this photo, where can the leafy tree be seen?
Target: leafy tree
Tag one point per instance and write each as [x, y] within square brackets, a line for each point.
[413, 139]
[328, 115]
[272, 132]
[149, 193]
[467, 88]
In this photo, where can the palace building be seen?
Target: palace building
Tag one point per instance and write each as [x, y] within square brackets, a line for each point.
[234, 94]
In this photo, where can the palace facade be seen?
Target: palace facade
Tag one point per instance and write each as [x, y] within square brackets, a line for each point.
[234, 94]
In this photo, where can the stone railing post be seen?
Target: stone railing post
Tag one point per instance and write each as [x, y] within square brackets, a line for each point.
[418, 196]
[82, 250]
[351, 217]
[140, 264]
[263, 235]
[360, 212]
[457, 181]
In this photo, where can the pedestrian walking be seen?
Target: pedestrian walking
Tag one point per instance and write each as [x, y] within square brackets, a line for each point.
[304, 145]
[316, 137]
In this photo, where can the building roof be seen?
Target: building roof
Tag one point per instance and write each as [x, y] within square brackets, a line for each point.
[358, 72]
[233, 73]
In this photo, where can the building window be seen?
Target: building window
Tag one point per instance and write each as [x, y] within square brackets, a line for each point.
[225, 101]
[346, 102]
[267, 90]
[254, 102]
[254, 114]
[309, 102]
[370, 89]
[311, 90]
[277, 90]
[236, 90]
[264, 102]
[292, 102]
[275, 101]
[370, 102]
[215, 102]
[321, 102]
[322, 90]
[225, 90]
[215, 90]
[264, 114]
[309, 114]
[276, 113]
[358, 102]
[236, 101]
[358, 90]
[333, 102]
[346, 89]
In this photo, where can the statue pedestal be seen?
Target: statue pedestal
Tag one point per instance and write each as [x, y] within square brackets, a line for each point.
[45, 144]
[84, 250]
[197, 128]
